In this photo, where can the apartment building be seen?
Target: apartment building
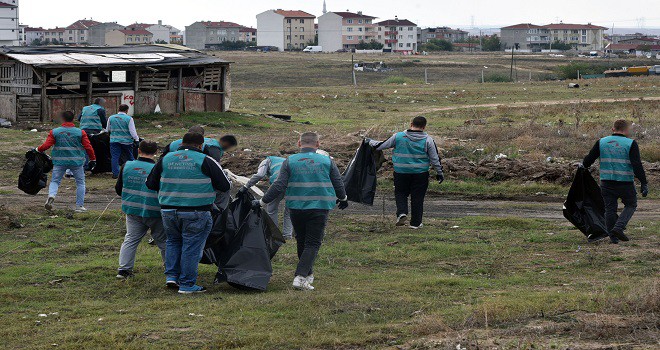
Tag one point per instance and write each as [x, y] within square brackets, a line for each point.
[96, 33]
[442, 33]
[32, 34]
[285, 29]
[161, 33]
[78, 32]
[398, 35]
[10, 32]
[528, 37]
[247, 34]
[54, 35]
[345, 30]
[128, 36]
[207, 35]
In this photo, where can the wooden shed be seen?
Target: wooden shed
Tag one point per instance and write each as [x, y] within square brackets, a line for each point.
[36, 83]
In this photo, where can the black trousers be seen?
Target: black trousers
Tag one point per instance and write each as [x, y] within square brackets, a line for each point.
[309, 226]
[612, 191]
[413, 186]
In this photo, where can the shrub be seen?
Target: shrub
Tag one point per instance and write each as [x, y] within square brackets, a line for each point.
[570, 71]
[496, 78]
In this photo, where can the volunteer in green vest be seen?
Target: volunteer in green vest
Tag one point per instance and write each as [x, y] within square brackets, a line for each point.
[186, 181]
[313, 186]
[414, 153]
[270, 167]
[122, 137]
[620, 163]
[70, 145]
[141, 206]
[92, 118]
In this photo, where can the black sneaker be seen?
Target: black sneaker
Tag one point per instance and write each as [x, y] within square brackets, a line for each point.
[620, 235]
[596, 238]
[172, 284]
[614, 240]
[151, 241]
[220, 278]
[124, 274]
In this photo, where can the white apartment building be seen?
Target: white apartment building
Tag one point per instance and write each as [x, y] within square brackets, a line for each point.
[398, 35]
[285, 29]
[345, 30]
[9, 27]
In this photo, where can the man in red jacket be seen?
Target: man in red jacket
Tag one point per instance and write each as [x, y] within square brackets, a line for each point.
[69, 147]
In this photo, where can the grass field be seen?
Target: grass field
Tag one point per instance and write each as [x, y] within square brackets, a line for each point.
[510, 281]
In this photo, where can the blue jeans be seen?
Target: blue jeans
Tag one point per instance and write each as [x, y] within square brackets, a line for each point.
[186, 232]
[78, 174]
[116, 151]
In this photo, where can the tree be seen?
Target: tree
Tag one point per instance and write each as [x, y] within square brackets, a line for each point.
[644, 48]
[161, 41]
[491, 43]
[313, 42]
[438, 45]
[232, 45]
[372, 45]
[37, 42]
[561, 46]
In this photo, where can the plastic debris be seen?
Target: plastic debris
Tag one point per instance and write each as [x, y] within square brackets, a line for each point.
[34, 130]
[42, 315]
[4, 123]
[501, 156]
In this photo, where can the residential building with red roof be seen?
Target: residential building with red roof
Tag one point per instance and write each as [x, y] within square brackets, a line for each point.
[128, 36]
[10, 31]
[345, 30]
[209, 34]
[285, 29]
[32, 35]
[162, 33]
[442, 33]
[248, 34]
[398, 35]
[78, 32]
[54, 36]
[531, 37]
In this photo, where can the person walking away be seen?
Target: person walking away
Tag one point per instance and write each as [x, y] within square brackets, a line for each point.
[186, 181]
[70, 144]
[620, 163]
[313, 186]
[141, 206]
[270, 167]
[414, 152]
[93, 120]
[122, 136]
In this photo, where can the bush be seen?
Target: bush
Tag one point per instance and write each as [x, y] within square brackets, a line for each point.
[570, 71]
[438, 45]
[372, 45]
[496, 78]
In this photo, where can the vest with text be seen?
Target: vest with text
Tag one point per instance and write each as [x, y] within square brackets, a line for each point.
[119, 132]
[275, 167]
[136, 198]
[182, 182]
[68, 149]
[90, 119]
[410, 156]
[309, 185]
[615, 159]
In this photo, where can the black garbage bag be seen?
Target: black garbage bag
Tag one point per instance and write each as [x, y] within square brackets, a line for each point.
[101, 145]
[242, 243]
[360, 177]
[33, 176]
[584, 206]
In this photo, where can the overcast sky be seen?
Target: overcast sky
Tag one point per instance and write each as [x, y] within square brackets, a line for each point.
[459, 13]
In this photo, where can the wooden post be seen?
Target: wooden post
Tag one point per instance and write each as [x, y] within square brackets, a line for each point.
[44, 98]
[136, 83]
[89, 87]
[426, 75]
[179, 95]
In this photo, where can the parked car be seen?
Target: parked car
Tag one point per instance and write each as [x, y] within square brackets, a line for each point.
[313, 49]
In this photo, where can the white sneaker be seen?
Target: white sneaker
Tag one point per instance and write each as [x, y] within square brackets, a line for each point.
[310, 279]
[301, 283]
[401, 220]
[80, 209]
[416, 227]
[49, 203]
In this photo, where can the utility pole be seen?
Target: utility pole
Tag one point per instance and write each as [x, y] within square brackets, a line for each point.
[513, 47]
[353, 70]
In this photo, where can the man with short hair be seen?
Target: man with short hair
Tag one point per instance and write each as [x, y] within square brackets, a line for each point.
[313, 186]
[270, 167]
[186, 181]
[212, 147]
[70, 145]
[122, 136]
[141, 206]
[620, 163]
[414, 152]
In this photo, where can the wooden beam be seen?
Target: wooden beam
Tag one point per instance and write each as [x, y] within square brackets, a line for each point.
[90, 76]
[179, 95]
[44, 98]
[136, 86]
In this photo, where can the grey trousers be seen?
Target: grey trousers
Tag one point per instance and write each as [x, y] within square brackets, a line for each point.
[272, 209]
[136, 228]
[612, 191]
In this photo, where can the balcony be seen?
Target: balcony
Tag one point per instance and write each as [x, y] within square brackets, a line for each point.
[392, 32]
[391, 41]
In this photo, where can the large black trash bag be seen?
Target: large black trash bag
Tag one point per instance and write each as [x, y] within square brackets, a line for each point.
[584, 206]
[242, 243]
[360, 179]
[33, 176]
[101, 145]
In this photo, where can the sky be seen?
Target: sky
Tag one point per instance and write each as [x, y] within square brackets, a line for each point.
[456, 13]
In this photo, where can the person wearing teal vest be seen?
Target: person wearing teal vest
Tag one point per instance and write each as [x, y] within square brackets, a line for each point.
[270, 168]
[313, 186]
[70, 145]
[93, 118]
[123, 135]
[186, 181]
[620, 163]
[414, 153]
[141, 206]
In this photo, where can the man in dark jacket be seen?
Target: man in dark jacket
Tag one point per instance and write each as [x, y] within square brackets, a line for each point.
[620, 163]
[313, 186]
[414, 153]
[186, 181]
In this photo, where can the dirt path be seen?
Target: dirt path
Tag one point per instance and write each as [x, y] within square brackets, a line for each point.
[537, 103]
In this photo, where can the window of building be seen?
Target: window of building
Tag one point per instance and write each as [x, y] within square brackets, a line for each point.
[288, 21]
[82, 38]
[302, 21]
[129, 40]
[410, 37]
[400, 28]
[408, 45]
[349, 29]
[360, 29]
[350, 37]
[367, 21]
[360, 21]
[400, 44]
[288, 37]
[411, 28]
[349, 21]
[380, 37]
[302, 37]
[302, 29]
[70, 38]
[359, 37]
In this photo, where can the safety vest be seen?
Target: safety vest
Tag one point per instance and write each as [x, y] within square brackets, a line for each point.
[310, 186]
[68, 149]
[207, 142]
[410, 156]
[615, 159]
[275, 167]
[136, 198]
[182, 182]
[90, 119]
[119, 132]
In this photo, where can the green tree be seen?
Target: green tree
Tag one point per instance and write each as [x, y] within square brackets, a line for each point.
[161, 41]
[37, 42]
[232, 45]
[491, 43]
[561, 46]
[438, 45]
[372, 45]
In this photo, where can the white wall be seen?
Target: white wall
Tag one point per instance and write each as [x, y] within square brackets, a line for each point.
[330, 32]
[270, 29]
[9, 31]
[160, 32]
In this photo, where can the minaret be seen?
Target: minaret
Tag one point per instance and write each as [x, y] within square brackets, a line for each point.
[324, 8]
